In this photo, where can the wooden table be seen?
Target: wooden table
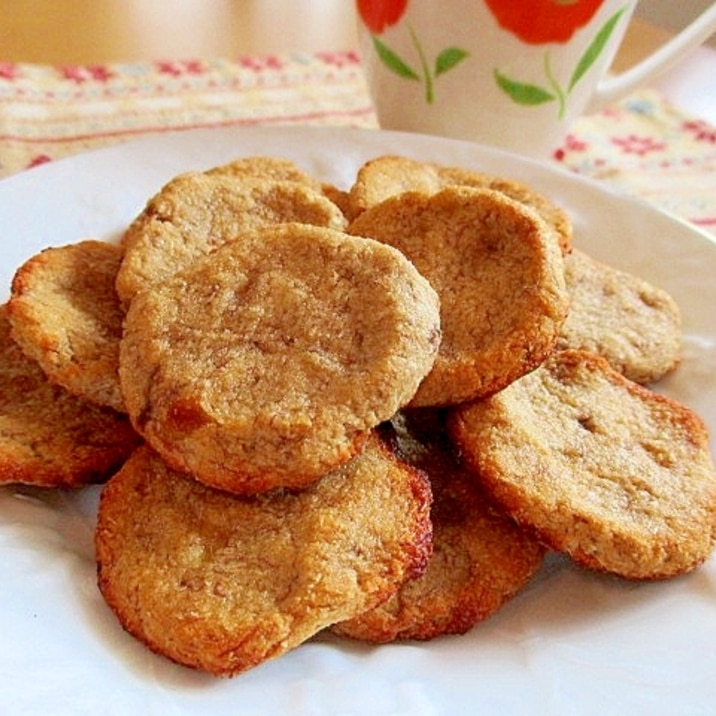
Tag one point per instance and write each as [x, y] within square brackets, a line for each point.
[100, 31]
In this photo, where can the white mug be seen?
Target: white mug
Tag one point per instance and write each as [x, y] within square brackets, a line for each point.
[508, 73]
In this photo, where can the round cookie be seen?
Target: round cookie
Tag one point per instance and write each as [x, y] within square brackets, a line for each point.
[65, 315]
[480, 560]
[554, 216]
[500, 278]
[634, 325]
[196, 212]
[222, 584]
[48, 437]
[265, 363]
[618, 477]
[385, 176]
[278, 169]
[275, 169]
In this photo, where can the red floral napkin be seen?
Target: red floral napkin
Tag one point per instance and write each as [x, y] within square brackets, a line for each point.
[50, 112]
[641, 145]
[646, 147]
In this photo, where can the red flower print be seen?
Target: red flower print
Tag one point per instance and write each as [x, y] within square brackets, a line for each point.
[258, 63]
[80, 74]
[575, 144]
[702, 131]
[177, 69]
[38, 160]
[538, 22]
[377, 15]
[572, 143]
[541, 21]
[339, 59]
[8, 71]
[639, 145]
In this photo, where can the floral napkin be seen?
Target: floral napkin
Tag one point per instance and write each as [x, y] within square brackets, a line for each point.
[641, 145]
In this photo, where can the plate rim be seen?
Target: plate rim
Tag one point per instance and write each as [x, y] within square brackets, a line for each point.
[60, 169]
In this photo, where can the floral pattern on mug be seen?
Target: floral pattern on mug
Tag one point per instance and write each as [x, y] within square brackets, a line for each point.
[377, 16]
[550, 21]
[538, 22]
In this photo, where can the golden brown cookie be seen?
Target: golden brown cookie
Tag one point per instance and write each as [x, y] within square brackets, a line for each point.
[389, 175]
[499, 276]
[635, 325]
[603, 469]
[385, 176]
[48, 437]
[278, 169]
[197, 212]
[266, 167]
[480, 559]
[222, 583]
[265, 363]
[65, 315]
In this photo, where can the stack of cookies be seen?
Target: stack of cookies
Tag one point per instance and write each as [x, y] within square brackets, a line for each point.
[369, 410]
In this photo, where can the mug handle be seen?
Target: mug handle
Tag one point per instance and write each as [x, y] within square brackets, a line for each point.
[614, 88]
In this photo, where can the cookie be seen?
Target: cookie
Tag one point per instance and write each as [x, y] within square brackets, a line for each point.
[48, 437]
[616, 476]
[65, 315]
[275, 169]
[265, 363]
[480, 560]
[278, 169]
[635, 325]
[197, 212]
[385, 176]
[500, 279]
[222, 583]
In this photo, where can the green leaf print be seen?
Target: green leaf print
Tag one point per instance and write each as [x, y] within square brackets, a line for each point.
[523, 93]
[595, 49]
[393, 62]
[448, 58]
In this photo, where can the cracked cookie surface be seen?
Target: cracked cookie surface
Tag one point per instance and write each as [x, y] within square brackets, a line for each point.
[65, 314]
[194, 213]
[266, 363]
[49, 437]
[480, 559]
[601, 468]
[500, 278]
[388, 175]
[635, 325]
[222, 583]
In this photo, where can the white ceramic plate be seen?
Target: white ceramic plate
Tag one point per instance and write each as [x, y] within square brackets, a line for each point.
[572, 643]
